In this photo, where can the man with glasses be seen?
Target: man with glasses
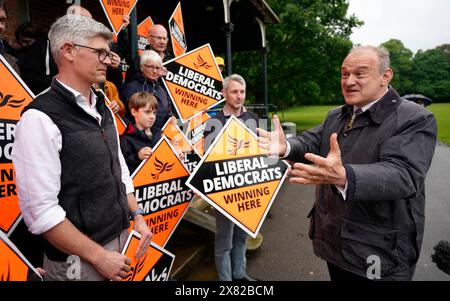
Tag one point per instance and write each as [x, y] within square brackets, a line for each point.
[75, 188]
[157, 38]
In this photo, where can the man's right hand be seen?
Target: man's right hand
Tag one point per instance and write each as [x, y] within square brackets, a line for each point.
[112, 265]
[274, 142]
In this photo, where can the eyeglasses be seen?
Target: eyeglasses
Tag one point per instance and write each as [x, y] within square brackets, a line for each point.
[159, 38]
[154, 68]
[102, 53]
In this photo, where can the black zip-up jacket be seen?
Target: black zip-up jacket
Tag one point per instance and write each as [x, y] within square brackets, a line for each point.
[133, 140]
[386, 155]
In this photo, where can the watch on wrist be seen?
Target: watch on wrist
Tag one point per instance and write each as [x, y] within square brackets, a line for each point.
[136, 212]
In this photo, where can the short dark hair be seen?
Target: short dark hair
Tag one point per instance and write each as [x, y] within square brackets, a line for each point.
[27, 30]
[141, 99]
[3, 6]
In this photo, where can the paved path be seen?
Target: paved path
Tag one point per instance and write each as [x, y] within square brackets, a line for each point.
[286, 253]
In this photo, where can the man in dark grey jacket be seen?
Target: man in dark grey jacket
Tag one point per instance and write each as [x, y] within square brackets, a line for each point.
[369, 162]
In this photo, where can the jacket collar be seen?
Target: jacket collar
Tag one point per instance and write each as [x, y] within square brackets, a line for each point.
[380, 110]
[68, 95]
[134, 131]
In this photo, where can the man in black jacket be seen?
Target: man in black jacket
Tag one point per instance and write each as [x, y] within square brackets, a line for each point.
[369, 161]
[75, 188]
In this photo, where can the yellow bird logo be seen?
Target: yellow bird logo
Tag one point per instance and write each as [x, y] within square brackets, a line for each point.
[201, 63]
[236, 144]
[161, 167]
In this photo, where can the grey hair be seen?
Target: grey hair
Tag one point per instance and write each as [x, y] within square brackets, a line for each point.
[233, 77]
[75, 29]
[382, 53]
[76, 9]
[151, 56]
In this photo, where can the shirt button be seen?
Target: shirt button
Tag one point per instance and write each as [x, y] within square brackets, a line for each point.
[345, 134]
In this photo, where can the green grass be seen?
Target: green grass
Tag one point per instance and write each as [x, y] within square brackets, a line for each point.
[308, 117]
[305, 117]
[442, 113]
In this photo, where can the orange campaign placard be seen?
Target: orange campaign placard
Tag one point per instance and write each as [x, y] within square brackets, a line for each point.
[177, 35]
[161, 191]
[194, 82]
[13, 265]
[237, 178]
[195, 130]
[155, 265]
[142, 31]
[115, 10]
[14, 96]
[120, 124]
[181, 144]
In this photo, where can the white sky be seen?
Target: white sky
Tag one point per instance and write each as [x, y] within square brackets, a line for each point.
[419, 24]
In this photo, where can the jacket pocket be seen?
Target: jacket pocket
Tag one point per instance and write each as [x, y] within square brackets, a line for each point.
[361, 240]
[312, 219]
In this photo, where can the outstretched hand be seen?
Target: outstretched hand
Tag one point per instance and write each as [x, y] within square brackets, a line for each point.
[274, 142]
[327, 170]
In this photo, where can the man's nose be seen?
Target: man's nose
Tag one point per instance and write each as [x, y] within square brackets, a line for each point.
[350, 81]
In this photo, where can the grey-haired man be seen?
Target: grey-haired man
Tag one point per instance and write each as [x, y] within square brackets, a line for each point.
[75, 188]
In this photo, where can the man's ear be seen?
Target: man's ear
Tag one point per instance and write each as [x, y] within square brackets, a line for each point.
[387, 77]
[68, 51]
[223, 92]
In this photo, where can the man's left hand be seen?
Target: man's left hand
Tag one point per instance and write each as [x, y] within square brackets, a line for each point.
[146, 235]
[327, 170]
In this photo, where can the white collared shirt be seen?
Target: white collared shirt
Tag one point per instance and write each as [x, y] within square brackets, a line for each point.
[37, 146]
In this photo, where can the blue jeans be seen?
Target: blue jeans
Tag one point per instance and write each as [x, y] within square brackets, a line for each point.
[229, 249]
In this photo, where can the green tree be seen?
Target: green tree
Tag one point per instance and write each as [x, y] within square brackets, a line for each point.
[305, 53]
[431, 74]
[401, 64]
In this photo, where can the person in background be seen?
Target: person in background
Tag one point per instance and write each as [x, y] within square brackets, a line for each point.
[116, 105]
[221, 63]
[147, 81]
[4, 47]
[26, 35]
[369, 160]
[140, 136]
[157, 41]
[231, 241]
[74, 186]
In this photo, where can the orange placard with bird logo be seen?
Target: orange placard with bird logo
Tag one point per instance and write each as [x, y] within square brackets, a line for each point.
[155, 265]
[194, 82]
[13, 265]
[237, 178]
[181, 144]
[161, 192]
[177, 35]
[14, 97]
